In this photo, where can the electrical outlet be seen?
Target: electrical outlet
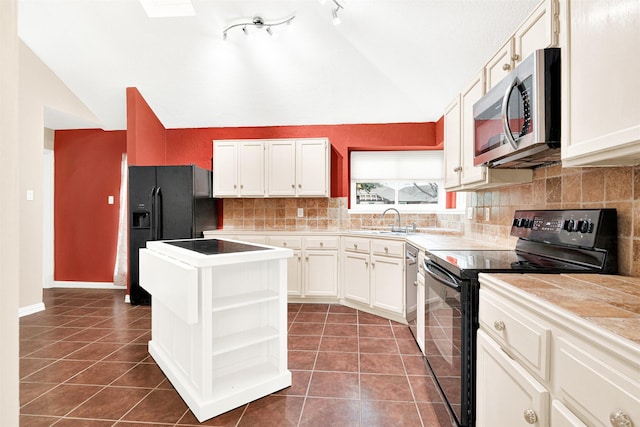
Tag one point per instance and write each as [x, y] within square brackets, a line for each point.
[110, 200]
[469, 213]
[487, 214]
[300, 212]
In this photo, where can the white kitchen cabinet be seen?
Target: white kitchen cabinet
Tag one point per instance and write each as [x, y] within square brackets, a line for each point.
[507, 394]
[238, 168]
[459, 134]
[355, 268]
[281, 168]
[591, 375]
[373, 275]
[313, 270]
[420, 312]
[452, 146]
[312, 168]
[561, 416]
[600, 69]
[538, 31]
[298, 168]
[294, 264]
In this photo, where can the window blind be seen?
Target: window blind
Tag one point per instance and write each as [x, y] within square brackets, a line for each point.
[397, 165]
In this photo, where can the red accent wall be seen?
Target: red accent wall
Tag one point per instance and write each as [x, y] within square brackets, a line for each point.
[184, 146]
[146, 136]
[86, 170]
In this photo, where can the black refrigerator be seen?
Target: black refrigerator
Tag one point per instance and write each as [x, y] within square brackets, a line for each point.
[166, 202]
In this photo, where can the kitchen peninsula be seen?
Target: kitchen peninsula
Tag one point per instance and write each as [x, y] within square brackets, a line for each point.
[219, 317]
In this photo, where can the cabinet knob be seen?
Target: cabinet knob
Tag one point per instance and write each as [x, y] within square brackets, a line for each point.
[506, 67]
[498, 325]
[299, 185]
[355, 246]
[293, 186]
[515, 57]
[241, 186]
[530, 416]
[321, 244]
[235, 186]
[620, 419]
[284, 243]
[386, 249]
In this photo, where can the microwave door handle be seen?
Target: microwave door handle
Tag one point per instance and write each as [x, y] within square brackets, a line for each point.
[505, 110]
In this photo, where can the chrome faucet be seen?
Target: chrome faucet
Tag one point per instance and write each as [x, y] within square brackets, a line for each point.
[397, 213]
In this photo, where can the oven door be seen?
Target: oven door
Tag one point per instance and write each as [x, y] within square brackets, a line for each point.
[448, 338]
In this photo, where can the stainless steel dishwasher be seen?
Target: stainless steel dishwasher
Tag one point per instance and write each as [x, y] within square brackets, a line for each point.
[411, 284]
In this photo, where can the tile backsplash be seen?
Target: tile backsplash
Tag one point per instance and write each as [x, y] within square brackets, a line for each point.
[553, 187]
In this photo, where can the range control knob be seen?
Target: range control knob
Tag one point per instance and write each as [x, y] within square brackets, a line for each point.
[569, 225]
[585, 226]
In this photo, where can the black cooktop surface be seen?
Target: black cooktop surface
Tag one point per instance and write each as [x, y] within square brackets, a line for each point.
[215, 246]
[468, 263]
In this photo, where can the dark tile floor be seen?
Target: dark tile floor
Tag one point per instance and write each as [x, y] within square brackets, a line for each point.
[84, 363]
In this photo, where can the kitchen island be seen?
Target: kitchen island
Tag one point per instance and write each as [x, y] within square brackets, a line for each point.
[219, 320]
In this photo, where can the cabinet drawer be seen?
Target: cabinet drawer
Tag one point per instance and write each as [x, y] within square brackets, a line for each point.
[321, 242]
[390, 248]
[291, 242]
[356, 244]
[593, 389]
[518, 332]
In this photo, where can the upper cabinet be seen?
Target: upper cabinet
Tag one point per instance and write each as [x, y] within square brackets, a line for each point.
[271, 168]
[298, 168]
[600, 67]
[238, 168]
[539, 31]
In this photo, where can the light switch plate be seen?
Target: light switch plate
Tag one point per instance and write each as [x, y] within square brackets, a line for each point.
[29, 194]
[469, 213]
[487, 214]
[110, 200]
[300, 212]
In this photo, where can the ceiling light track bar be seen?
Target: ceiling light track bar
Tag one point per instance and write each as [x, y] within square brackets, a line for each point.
[257, 22]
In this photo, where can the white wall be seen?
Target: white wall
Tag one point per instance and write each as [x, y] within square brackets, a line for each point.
[39, 90]
[9, 214]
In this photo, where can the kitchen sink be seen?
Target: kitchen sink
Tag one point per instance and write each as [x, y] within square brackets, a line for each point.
[382, 232]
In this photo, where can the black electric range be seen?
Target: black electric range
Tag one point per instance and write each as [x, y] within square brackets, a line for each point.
[215, 246]
[549, 241]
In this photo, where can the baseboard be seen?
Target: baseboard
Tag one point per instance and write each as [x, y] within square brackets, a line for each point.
[86, 285]
[30, 309]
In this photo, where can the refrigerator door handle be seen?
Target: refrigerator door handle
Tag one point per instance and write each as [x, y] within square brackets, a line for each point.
[158, 215]
[152, 198]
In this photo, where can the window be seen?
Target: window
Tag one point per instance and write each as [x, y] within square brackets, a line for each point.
[411, 181]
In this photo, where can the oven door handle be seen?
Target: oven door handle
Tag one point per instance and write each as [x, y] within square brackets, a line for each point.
[430, 268]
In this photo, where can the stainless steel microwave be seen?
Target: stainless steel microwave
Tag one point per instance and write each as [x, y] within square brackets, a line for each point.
[517, 123]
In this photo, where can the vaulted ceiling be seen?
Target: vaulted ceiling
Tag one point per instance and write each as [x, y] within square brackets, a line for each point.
[388, 60]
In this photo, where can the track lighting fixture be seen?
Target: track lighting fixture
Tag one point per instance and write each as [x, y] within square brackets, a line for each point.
[334, 10]
[257, 22]
[334, 13]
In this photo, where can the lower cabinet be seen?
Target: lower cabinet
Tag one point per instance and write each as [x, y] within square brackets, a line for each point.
[373, 274]
[313, 270]
[507, 394]
[539, 365]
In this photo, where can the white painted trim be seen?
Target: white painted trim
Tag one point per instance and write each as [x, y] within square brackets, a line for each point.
[87, 285]
[30, 309]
